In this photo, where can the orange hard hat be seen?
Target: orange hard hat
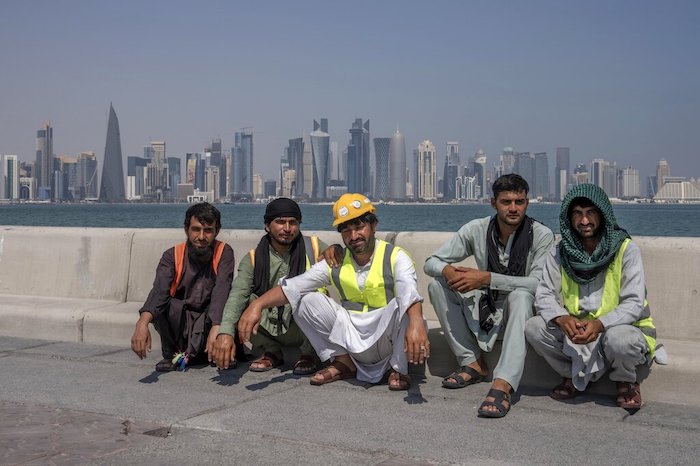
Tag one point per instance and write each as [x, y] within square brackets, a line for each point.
[351, 206]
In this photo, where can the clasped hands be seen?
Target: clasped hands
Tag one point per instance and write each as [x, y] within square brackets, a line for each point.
[463, 279]
[580, 331]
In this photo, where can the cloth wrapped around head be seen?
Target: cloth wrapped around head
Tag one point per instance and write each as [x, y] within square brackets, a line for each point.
[282, 207]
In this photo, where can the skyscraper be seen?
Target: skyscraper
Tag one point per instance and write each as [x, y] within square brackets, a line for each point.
[320, 151]
[382, 148]
[525, 167]
[43, 167]
[10, 175]
[426, 176]
[358, 158]
[135, 177]
[479, 172]
[242, 166]
[157, 180]
[86, 175]
[295, 158]
[541, 172]
[397, 167]
[451, 171]
[112, 187]
[663, 171]
[562, 173]
[630, 184]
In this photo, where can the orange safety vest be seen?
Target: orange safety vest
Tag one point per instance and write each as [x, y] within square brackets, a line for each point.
[180, 262]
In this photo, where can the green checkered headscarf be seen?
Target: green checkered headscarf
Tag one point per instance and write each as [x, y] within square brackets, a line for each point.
[575, 260]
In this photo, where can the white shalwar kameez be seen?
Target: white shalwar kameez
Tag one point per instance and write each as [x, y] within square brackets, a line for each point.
[375, 339]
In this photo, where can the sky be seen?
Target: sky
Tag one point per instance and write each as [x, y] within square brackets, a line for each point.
[618, 80]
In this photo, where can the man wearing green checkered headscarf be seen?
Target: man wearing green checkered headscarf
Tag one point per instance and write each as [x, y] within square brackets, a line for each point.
[592, 313]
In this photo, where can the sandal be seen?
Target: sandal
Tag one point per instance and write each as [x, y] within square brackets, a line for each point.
[499, 396]
[461, 382]
[266, 362]
[344, 372]
[629, 395]
[565, 390]
[306, 365]
[400, 381]
[165, 365]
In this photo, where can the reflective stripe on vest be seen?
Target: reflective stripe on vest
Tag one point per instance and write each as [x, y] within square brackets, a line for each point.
[610, 299]
[179, 253]
[379, 286]
[311, 246]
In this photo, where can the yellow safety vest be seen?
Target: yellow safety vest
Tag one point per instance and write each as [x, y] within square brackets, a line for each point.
[610, 300]
[379, 286]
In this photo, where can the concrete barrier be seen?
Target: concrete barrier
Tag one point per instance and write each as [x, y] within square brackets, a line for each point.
[87, 284]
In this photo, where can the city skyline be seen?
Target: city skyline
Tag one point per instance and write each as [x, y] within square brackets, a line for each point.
[614, 81]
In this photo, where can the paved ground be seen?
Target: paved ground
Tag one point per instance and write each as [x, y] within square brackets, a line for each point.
[71, 403]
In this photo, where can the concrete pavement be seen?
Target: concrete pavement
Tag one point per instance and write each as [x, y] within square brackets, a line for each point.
[73, 403]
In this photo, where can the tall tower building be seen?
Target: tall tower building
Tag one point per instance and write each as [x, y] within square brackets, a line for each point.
[427, 171]
[112, 187]
[10, 175]
[157, 182]
[663, 171]
[541, 185]
[175, 176]
[479, 172]
[451, 171]
[43, 167]
[135, 177]
[320, 151]
[243, 164]
[562, 173]
[630, 183]
[598, 172]
[358, 180]
[86, 175]
[308, 158]
[397, 167]
[295, 157]
[382, 149]
[525, 167]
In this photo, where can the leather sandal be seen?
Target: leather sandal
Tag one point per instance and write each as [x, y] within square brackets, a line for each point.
[400, 381]
[629, 395]
[565, 390]
[306, 365]
[344, 372]
[499, 396]
[266, 362]
[461, 382]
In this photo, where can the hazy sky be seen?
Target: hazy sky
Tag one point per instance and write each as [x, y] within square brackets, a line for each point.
[612, 79]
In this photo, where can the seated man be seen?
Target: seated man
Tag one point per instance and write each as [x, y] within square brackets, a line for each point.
[282, 252]
[378, 325]
[474, 305]
[187, 300]
[591, 303]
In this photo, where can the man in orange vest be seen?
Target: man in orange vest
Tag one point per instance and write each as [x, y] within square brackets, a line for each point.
[186, 303]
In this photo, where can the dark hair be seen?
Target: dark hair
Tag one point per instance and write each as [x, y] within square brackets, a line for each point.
[511, 183]
[205, 213]
[366, 218]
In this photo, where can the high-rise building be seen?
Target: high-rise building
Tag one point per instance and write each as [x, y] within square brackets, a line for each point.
[610, 183]
[478, 170]
[10, 177]
[630, 184]
[358, 158]
[541, 180]
[112, 184]
[269, 189]
[663, 171]
[308, 168]
[451, 171]
[507, 162]
[426, 176]
[258, 185]
[85, 178]
[175, 176]
[525, 167]
[43, 167]
[320, 152]
[397, 167]
[581, 174]
[561, 173]
[295, 158]
[242, 166]
[135, 177]
[157, 179]
[382, 149]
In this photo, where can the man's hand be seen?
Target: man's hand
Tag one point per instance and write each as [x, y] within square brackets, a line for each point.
[589, 332]
[570, 325]
[141, 339]
[249, 322]
[209, 349]
[416, 344]
[224, 351]
[333, 255]
[465, 279]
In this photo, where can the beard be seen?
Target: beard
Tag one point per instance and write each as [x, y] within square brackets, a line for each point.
[202, 255]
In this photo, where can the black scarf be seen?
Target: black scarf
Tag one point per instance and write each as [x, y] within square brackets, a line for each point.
[517, 263]
[261, 273]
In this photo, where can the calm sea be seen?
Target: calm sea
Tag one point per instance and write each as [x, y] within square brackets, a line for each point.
[638, 219]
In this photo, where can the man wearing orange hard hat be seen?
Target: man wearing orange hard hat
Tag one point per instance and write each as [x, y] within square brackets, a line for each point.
[377, 326]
